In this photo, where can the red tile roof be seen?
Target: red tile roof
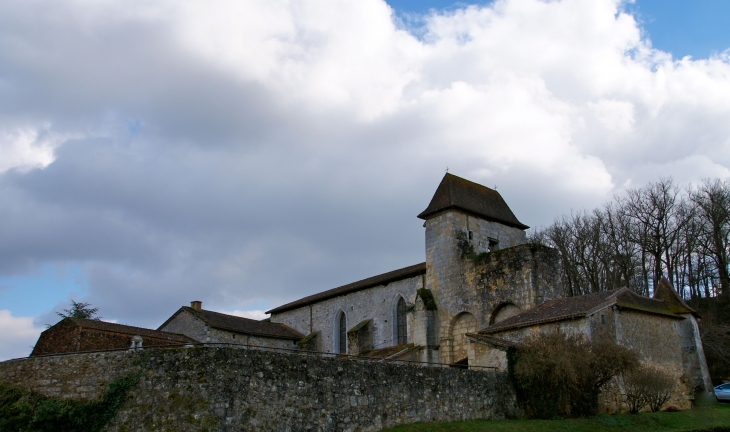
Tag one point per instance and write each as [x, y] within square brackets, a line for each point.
[129, 330]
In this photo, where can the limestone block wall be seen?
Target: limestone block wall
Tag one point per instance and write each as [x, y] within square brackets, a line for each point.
[376, 304]
[230, 389]
[656, 338]
[485, 355]
[693, 355]
[464, 323]
[484, 232]
[574, 327]
[521, 274]
[189, 325]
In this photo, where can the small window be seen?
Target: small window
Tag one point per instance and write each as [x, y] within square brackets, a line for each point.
[493, 245]
[234, 336]
[342, 348]
[471, 235]
[603, 319]
[402, 337]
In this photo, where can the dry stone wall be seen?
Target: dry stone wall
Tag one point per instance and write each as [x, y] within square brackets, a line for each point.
[190, 389]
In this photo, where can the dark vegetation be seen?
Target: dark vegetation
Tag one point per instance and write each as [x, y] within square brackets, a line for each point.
[80, 310]
[660, 230]
[558, 375]
[24, 410]
[429, 303]
[647, 386]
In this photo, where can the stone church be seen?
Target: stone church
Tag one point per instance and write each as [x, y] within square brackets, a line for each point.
[434, 304]
[482, 289]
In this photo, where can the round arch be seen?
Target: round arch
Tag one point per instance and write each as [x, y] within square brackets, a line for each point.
[461, 324]
[503, 311]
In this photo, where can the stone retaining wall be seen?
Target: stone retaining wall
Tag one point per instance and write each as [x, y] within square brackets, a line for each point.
[234, 389]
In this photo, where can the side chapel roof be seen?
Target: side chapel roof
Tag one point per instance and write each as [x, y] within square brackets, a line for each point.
[457, 193]
[241, 325]
[580, 306]
[381, 279]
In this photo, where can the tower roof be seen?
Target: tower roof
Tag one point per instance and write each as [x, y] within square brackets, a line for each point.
[458, 193]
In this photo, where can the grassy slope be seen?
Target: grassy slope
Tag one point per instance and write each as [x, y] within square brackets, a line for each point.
[705, 417]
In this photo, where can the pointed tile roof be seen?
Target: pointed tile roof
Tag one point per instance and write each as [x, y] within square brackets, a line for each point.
[675, 303]
[458, 193]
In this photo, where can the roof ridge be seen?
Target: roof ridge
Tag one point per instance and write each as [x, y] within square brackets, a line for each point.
[370, 282]
[99, 324]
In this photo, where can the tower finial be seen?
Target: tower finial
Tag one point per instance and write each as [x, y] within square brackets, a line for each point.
[447, 169]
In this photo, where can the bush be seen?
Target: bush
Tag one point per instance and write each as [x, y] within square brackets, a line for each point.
[557, 375]
[647, 386]
[25, 410]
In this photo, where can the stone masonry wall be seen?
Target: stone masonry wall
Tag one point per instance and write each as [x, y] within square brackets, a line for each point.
[225, 389]
[376, 304]
[517, 273]
[693, 355]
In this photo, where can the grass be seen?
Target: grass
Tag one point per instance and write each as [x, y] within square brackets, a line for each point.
[715, 418]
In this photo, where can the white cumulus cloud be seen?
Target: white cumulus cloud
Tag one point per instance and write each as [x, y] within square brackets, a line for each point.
[18, 335]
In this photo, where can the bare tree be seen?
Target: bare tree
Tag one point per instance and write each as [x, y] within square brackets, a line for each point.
[659, 214]
[647, 386]
[712, 200]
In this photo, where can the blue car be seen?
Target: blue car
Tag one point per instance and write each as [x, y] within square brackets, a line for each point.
[722, 392]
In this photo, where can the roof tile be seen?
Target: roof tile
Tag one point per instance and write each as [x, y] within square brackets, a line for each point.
[245, 325]
[130, 330]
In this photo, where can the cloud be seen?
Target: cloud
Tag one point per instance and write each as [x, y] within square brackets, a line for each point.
[260, 151]
[18, 335]
[252, 314]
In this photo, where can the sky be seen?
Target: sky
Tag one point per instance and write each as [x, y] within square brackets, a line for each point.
[249, 153]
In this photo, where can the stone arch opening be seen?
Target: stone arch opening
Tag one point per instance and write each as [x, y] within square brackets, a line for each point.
[503, 311]
[462, 324]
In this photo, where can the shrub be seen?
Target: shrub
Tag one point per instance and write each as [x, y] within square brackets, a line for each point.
[24, 410]
[560, 375]
[647, 386]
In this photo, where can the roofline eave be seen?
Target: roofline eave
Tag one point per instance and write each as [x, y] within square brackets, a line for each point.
[426, 216]
[296, 305]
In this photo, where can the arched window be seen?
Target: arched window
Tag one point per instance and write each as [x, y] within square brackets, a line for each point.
[342, 333]
[401, 324]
